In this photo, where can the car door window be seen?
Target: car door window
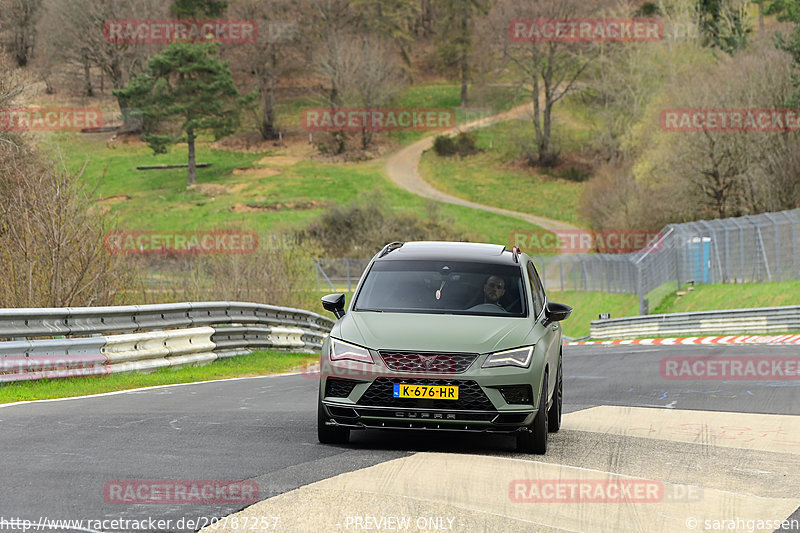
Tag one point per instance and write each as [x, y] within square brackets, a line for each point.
[536, 290]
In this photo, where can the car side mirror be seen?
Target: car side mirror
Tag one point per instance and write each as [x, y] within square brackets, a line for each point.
[554, 312]
[335, 304]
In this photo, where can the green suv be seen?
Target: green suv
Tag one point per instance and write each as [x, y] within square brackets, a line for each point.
[444, 336]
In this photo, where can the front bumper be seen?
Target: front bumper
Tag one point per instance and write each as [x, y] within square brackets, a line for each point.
[358, 396]
[415, 418]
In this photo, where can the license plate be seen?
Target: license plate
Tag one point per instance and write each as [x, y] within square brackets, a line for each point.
[432, 392]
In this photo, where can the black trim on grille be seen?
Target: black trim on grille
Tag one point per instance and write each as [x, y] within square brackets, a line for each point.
[339, 387]
[470, 395]
[428, 362]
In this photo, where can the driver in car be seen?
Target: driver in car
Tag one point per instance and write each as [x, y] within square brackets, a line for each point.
[493, 290]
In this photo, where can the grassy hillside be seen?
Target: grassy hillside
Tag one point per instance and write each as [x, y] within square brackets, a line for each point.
[276, 188]
[490, 179]
[711, 297]
[269, 190]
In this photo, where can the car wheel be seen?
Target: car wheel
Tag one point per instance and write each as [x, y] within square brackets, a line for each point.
[534, 438]
[554, 415]
[330, 434]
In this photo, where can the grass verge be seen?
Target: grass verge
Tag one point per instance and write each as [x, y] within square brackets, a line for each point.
[587, 305]
[260, 363]
[729, 296]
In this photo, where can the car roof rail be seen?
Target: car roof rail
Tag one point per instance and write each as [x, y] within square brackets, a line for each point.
[389, 247]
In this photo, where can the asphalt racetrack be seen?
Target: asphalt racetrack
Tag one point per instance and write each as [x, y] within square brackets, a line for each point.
[687, 455]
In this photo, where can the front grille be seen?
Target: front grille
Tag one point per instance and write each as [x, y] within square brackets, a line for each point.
[470, 395]
[339, 388]
[433, 363]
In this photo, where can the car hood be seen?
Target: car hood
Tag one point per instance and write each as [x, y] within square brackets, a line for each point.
[450, 333]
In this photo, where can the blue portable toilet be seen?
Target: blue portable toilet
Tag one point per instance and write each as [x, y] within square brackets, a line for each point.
[700, 259]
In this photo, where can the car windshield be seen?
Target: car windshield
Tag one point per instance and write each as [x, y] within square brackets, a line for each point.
[443, 287]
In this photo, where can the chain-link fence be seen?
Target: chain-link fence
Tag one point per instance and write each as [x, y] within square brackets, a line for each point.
[747, 249]
[339, 274]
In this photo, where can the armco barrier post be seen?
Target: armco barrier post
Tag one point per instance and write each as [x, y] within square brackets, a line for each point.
[639, 290]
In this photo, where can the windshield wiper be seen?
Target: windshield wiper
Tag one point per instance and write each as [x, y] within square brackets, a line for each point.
[369, 310]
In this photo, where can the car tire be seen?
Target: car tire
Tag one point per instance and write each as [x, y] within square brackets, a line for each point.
[534, 438]
[330, 434]
[554, 415]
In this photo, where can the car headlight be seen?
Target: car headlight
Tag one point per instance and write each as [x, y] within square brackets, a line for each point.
[520, 357]
[340, 350]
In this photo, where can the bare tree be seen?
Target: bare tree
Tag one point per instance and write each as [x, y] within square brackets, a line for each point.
[51, 236]
[18, 20]
[12, 83]
[390, 22]
[277, 54]
[547, 70]
[376, 79]
[730, 172]
[77, 38]
[335, 62]
[360, 71]
[623, 80]
[457, 37]
[52, 251]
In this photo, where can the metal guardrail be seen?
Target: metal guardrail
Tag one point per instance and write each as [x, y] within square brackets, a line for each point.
[104, 340]
[736, 321]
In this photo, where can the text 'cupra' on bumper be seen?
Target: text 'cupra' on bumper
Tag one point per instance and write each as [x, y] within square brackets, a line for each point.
[362, 417]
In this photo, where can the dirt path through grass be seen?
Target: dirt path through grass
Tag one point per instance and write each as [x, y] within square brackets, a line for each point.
[402, 167]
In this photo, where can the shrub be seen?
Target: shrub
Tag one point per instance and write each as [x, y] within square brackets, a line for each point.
[444, 146]
[359, 230]
[462, 145]
[52, 252]
[465, 144]
[274, 273]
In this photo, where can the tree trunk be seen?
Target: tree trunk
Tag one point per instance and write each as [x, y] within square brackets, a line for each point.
[87, 76]
[546, 158]
[268, 114]
[192, 162]
[464, 58]
[267, 127]
[464, 80]
[21, 49]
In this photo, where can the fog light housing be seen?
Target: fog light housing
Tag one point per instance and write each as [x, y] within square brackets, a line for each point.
[517, 394]
[339, 387]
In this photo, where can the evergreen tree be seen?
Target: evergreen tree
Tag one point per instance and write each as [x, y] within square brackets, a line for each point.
[187, 84]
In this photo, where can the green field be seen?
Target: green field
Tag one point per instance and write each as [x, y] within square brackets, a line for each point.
[269, 191]
[487, 177]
